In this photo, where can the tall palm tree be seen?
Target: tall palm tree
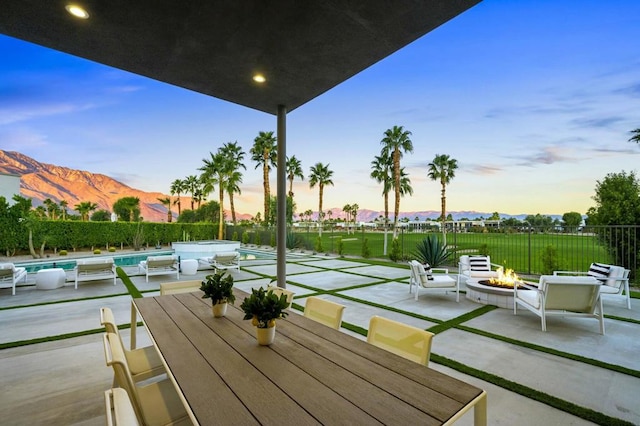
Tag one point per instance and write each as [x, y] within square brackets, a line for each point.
[443, 168]
[215, 173]
[636, 136]
[354, 212]
[264, 153]
[84, 208]
[51, 207]
[320, 175]
[235, 156]
[191, 184]
[177, 187]
[381, 171]
[294, 170]
[63, 207]
[347, 211]
[166, 201]
[395, 143]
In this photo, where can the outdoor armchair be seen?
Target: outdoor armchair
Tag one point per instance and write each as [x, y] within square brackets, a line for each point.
[324, 311]
[614, 279]
[401, 339]
[10, 275]
[118, 408]
[563, 296]
[279, 291]
[477, 267]
[421, 279]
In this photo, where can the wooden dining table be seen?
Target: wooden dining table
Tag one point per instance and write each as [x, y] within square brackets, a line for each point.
[311, 374]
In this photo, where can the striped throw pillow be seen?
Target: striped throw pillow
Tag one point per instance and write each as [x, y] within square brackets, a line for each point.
[599, 271]
[479, 263]
[427, 270]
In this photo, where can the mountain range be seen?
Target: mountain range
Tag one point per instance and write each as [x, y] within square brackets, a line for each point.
[40, 181]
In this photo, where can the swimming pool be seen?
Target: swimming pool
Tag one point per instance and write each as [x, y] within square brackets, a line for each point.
[125, 260]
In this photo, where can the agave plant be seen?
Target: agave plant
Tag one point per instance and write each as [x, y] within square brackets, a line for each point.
[431, 251]
[294, 240]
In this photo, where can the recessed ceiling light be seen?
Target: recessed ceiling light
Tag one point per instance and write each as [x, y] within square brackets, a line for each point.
[259, 78]
[77, 11]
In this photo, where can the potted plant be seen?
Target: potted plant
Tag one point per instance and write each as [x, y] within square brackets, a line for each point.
[263, 308]
[219, 288]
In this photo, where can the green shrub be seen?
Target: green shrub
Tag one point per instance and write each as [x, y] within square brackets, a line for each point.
[234, 236]
[245, 237]
[549, 260]
[340, 246]
[96, 251]
[396, 252]
[62, 252]
[318, 246]
[112, 249]
[258, 240]
[294, 240]
[366, 252]
[431, 251]
[273, 240]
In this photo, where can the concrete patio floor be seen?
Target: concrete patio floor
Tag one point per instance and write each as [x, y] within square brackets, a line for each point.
[62, 382]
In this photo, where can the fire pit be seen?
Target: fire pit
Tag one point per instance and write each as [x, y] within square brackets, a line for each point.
[496, 291]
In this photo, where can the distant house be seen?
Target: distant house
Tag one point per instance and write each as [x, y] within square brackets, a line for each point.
[9, 186]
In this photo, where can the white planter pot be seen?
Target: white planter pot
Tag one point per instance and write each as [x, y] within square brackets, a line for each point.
[219, 309]
[266, 335]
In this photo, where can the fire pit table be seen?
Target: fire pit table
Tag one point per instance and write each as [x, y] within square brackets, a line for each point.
[481, 290]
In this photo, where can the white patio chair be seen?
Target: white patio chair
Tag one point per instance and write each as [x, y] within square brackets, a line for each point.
[421, 279]
[222, 260]
[101, 268]
[10, 275]
[156, 403]
[477, 267]
[563, 296]
[401, 339]
[324, 311]
[144, 363]
[160, 265]
[614, 279]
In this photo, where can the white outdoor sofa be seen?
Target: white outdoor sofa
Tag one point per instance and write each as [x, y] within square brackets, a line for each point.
[562, 296]
[614, 279]
[477, 267]
[160, 265]
[10, 275]
[93, 269]
[222, 260]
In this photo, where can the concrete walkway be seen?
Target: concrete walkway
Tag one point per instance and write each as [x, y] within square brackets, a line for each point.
[62, 382]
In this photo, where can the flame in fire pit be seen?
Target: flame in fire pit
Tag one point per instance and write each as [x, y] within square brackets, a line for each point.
[505, 279]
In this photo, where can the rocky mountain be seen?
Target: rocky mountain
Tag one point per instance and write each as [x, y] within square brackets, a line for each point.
[40, 181]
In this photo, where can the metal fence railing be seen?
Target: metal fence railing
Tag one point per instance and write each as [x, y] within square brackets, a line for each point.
[527, 250]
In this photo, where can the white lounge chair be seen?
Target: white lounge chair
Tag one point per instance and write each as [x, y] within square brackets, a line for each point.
[101, 268]
[477, 267]
[614, 279]
[223, 260]
[160, 265]
[10, 275]
[421, 279]
[564, 296]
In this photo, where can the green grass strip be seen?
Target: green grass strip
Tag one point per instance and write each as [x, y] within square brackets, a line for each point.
[631, 320]
[446, 325]
[131, 288]
[551, 351]
[55, 302]
[552, 401]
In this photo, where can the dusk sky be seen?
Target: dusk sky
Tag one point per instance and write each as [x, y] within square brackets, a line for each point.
[535, 99]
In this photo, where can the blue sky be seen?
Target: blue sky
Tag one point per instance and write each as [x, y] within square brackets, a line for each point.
[535, 99]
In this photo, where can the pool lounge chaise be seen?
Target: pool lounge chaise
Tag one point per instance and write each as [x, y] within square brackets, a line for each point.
[160, 265]
[10, 275]
[223, 260]
[94, 269]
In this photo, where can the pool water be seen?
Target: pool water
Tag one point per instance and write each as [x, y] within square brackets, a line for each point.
[125, 260]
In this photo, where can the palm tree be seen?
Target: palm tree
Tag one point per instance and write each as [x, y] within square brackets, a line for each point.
[84, 208]
[354, 212]
[294, 169]
[382, 166]
[63, 207]
[177, 187]
[166, 201]
[636, 136]
[264, 153]
[215, 173]
[396, 141]
[443, 168]
[320, 175]
[191, 184]
[51, 207]
[128, 207]
[235, 156]
[347, 210]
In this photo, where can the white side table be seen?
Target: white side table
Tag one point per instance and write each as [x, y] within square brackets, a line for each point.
[49, 279]
[189, 266]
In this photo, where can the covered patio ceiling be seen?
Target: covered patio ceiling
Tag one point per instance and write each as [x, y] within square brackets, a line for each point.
[302, 47]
